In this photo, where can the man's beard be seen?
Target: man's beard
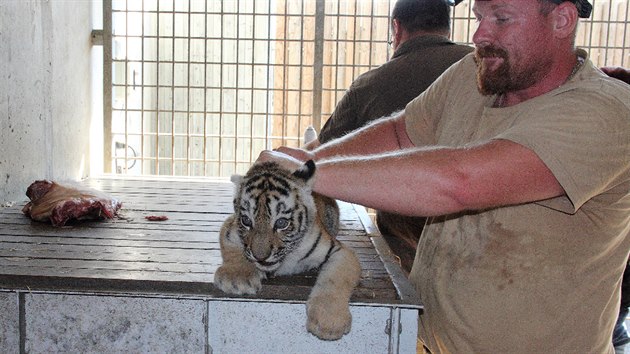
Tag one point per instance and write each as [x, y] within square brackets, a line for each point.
[502, 79]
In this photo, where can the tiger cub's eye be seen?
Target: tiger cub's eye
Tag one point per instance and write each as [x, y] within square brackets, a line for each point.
[246, 221]
[281, 224]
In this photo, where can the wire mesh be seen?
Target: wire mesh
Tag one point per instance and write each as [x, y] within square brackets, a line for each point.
[200, 87]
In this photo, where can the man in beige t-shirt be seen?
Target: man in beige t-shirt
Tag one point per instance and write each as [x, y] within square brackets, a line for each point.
[520, 156]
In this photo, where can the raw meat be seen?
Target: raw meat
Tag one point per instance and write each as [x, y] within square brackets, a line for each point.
[59, 203]
[156, 217]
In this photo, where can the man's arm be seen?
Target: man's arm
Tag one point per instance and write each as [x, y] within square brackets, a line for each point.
[436, 181]
[379, 167]
[383, 135]
[312, 145]
[617, 72]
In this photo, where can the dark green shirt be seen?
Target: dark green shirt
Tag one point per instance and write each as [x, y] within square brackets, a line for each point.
[379, 92]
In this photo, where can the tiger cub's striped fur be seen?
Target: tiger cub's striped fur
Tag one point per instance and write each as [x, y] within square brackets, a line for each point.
[281, 227]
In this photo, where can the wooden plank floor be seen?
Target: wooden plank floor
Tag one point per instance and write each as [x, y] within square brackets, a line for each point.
[180, 255]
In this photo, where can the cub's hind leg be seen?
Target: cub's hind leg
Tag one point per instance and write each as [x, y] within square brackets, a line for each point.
[328, 308]
[236, 275]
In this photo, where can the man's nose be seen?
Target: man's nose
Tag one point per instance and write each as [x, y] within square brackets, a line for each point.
[483, 34]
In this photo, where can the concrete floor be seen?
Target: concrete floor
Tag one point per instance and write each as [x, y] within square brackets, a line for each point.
[626, 348]
[623, 350]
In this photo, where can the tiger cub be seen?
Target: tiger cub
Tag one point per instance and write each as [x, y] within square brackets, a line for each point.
[281, 227]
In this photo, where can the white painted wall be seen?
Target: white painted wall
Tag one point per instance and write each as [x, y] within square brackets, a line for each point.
[45, 92]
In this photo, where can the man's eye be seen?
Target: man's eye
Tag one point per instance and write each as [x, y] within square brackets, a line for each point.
[246, 221]
[502, 19]
[281, 224]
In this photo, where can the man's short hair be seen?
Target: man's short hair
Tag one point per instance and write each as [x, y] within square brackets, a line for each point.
[584, 8]
[423, 15]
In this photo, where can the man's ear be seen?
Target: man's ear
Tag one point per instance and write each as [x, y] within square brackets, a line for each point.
[565, 19]
[398, 30]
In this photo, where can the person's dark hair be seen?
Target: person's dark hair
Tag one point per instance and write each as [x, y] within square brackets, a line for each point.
[423, 15]
[583, 6]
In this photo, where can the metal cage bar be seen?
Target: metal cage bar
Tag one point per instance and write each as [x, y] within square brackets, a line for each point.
[199, 87]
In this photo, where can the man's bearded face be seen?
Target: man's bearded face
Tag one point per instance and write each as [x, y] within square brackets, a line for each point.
[495, 79]
[498, 74]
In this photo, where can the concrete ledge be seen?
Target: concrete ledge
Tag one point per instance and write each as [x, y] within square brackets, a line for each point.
[9, 322]
[60, 323]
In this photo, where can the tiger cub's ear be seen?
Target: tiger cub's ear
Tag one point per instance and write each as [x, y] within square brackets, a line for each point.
[236, 179]
[306, 171]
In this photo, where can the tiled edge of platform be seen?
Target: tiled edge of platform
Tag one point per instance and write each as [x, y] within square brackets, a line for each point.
[9, 322]
[78, 322]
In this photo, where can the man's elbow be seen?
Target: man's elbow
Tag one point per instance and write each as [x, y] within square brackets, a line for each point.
[400, 129]
[461, 194]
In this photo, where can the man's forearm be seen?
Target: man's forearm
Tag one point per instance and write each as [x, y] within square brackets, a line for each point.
[401, 182]
[386, 134]
[430, 181]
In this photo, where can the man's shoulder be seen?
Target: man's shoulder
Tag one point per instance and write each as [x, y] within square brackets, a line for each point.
[438, 54]
[430, 41]
[420, 61]
[610, 85]
[437, 47]
[597, 88]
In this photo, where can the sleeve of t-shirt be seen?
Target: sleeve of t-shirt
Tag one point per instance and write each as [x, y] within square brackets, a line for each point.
[583, 136]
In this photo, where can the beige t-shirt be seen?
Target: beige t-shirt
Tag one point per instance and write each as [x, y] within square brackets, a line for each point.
[540, 277]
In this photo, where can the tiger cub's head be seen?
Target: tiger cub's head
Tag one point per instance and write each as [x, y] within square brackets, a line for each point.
[274, 210]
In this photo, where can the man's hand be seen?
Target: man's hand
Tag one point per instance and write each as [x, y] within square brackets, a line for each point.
[299, 154]
[285, 160]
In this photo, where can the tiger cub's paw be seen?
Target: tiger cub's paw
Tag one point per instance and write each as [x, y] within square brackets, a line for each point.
[328, 319]
[241, 279]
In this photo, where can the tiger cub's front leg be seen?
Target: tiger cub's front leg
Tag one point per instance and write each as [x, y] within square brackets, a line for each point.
[236, 275]
[328, 308]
